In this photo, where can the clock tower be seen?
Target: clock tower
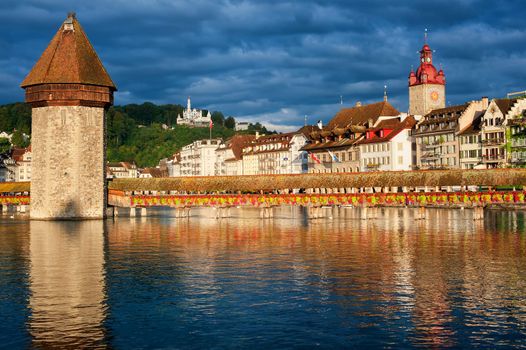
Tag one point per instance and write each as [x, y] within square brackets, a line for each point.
[427, 87]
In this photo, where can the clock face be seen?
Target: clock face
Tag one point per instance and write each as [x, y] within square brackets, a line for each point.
[434, 96]
[422, 60]
[428, 59]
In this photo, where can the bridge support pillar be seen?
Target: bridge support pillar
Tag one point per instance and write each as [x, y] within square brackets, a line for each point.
[133, 212]
[421, 213]
[478, 213]
[266, 212]
[4, 208]
[367, 212]
[23, 208]
[144, 212]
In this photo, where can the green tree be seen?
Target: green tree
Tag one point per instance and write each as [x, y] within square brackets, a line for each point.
[19, 140]
[5, 145]
[230, 123]
[218, 118]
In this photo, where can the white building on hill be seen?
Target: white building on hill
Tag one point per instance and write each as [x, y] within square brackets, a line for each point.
[194, 117]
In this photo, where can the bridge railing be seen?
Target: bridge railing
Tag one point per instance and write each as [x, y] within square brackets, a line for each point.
[450, 199]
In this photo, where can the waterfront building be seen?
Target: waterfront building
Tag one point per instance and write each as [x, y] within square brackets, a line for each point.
[276, 154]
[493, 130]
[199, 158]
[516, 137]
[388, 145]
[229, 155]
[334, 148]
[15, 165]
[122, 170]
[194, 117]
[437, 144]
[173, 165]
[148, 173]
[68, 89]
[427, 86]
[470, 141]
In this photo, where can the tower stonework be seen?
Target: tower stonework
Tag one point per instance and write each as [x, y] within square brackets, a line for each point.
[69, 91]
[427, 87]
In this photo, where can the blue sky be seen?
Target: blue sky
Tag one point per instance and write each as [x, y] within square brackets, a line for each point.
[276, 61]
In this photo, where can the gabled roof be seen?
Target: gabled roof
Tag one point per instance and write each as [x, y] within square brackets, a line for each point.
[474, 127]
[408, 123]
[18, 153]
[238, 142]
[447, 110]
[505, 104]
[360, 115]
[69, 59]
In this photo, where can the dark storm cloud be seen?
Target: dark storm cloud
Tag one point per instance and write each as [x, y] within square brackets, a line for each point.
[276, 61]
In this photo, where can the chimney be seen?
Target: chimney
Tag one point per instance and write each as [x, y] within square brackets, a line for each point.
[358, 104]
[485, 102]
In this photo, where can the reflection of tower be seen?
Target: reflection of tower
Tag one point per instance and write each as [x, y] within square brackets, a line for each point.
[427, 87]
[68, 90]
[67, 284]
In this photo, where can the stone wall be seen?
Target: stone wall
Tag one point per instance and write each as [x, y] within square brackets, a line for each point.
[68, 179]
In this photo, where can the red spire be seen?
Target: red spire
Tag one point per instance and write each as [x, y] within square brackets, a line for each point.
[426, 72]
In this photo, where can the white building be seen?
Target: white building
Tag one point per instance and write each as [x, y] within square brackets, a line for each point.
[471, 145]
[16, 167]
[173, 165]
[275, 154]
[199, 158]
[241, 126]
[121, 170]
[194, 117]
[230, 155]
[388, 145]
[493, 130]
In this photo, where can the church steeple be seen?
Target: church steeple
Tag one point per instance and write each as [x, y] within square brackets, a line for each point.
[426, 85]
[426, 72]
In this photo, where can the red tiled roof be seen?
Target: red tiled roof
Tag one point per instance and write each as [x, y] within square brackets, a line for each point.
[69, 58]
[238, 142]
[408, 123]
[360, 115]
[18, 153]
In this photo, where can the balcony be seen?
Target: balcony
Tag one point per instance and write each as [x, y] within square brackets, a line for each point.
[493, 142]
[431, 155]
[492, 158]
[521, 121]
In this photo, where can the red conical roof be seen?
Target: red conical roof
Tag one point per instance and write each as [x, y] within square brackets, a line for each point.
[426, 72]
[69, 59]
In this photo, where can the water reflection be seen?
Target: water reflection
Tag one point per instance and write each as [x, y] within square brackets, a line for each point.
[67, 300]
[392, 280]
[245, 282]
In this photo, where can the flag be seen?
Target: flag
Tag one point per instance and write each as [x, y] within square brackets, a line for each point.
[211, 124]
[314, 158]
[333, 156]
[320, 124]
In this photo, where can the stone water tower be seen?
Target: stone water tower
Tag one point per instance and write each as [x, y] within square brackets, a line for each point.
[69, 91]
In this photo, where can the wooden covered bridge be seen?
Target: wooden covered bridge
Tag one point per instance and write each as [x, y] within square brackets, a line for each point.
[453, 188]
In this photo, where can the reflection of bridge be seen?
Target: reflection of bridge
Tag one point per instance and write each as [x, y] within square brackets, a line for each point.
[446, 188]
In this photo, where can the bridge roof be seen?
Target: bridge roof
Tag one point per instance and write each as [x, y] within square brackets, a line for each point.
[254, 183]
[14, 187]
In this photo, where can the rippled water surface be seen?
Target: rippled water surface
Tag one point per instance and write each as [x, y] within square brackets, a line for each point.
[243, 282]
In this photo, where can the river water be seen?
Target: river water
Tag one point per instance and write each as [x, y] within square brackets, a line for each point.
[245, 282]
